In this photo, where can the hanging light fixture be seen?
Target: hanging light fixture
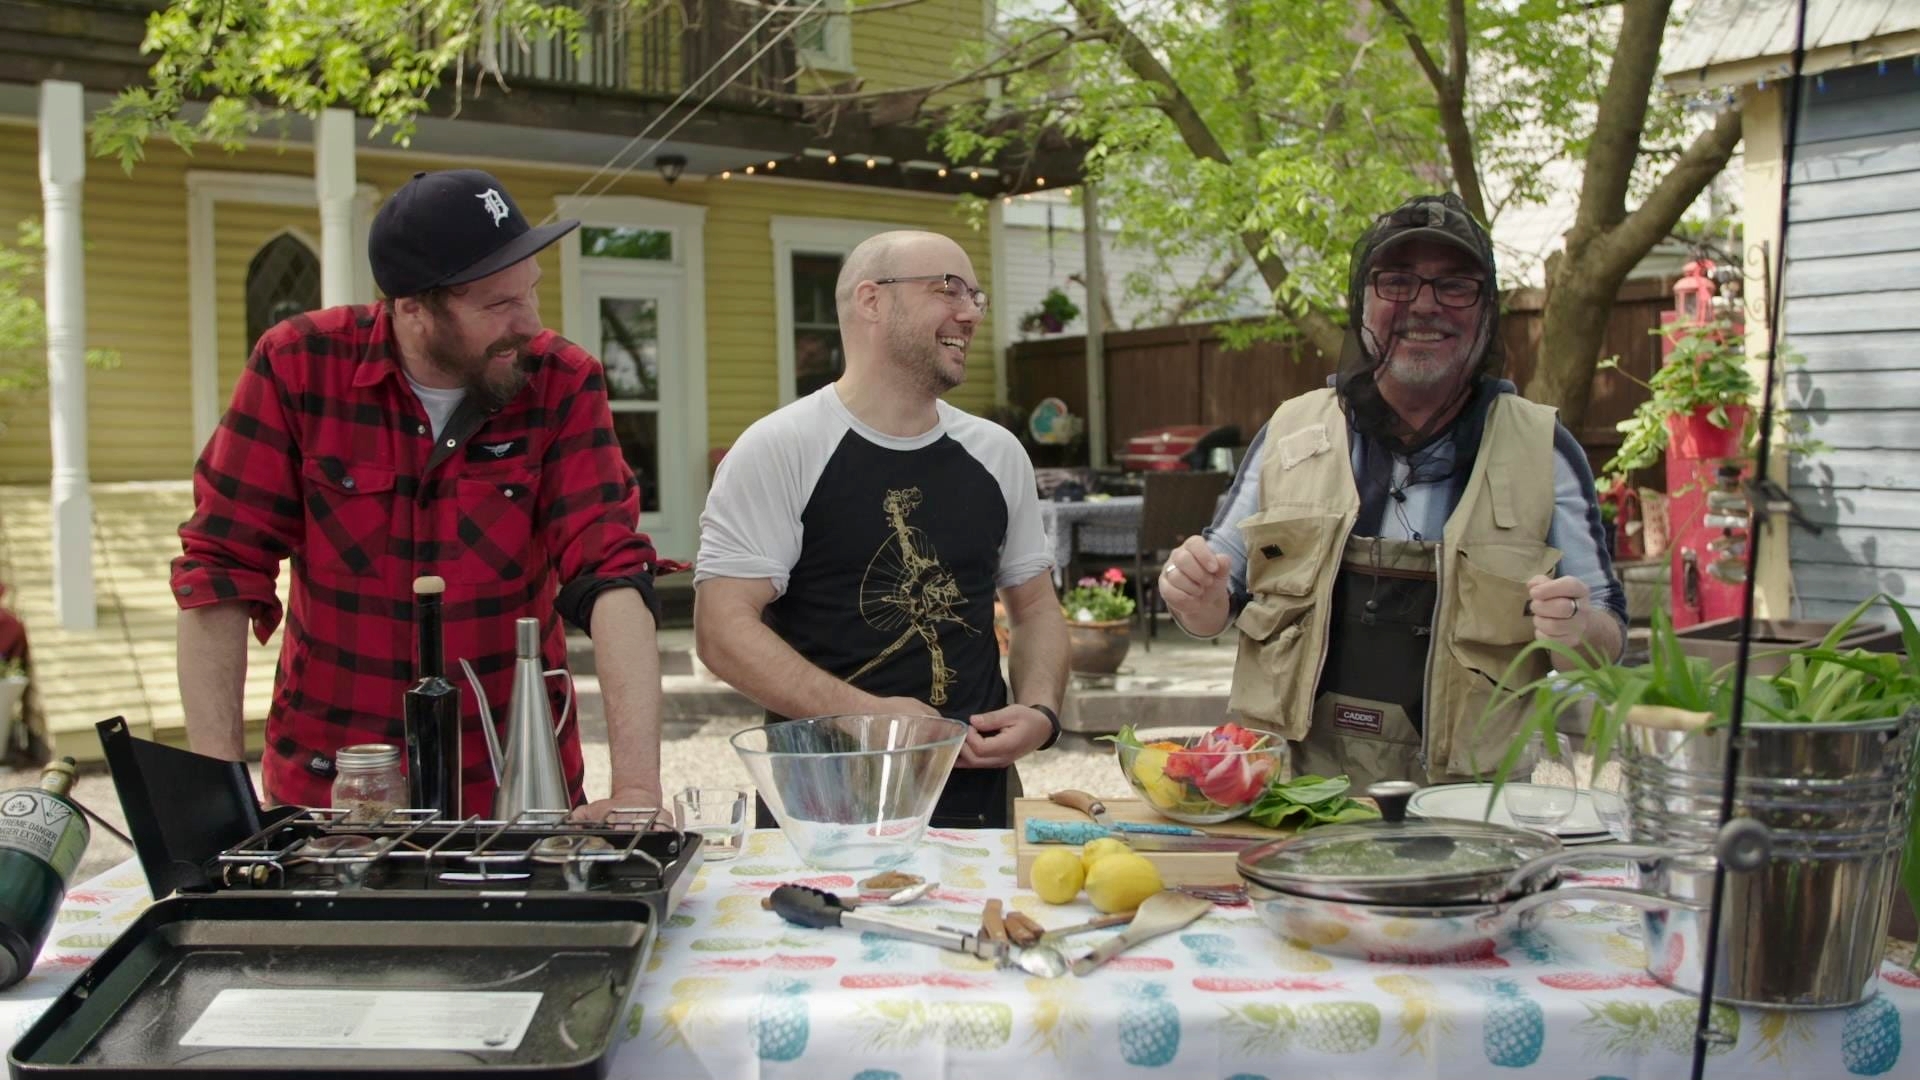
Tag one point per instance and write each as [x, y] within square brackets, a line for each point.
[670, 166]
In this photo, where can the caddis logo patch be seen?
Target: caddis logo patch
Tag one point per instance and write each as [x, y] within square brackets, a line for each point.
[1355, 718]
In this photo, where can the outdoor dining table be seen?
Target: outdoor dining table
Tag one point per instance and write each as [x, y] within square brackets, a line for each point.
[1102, 526]
[733, 991]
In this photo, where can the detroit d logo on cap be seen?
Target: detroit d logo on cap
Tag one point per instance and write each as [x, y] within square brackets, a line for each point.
[494, 204]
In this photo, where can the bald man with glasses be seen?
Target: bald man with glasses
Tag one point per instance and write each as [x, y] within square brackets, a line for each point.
[854, 541]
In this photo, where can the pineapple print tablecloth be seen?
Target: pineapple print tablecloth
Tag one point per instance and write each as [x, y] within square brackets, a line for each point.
[734, 992]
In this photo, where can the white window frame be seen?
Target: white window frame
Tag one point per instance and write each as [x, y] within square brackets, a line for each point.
[806, 235]
[687, 223]
[206, 189]
[837, 35]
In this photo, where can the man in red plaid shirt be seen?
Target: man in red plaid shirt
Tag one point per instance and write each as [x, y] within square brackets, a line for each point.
[442, 431]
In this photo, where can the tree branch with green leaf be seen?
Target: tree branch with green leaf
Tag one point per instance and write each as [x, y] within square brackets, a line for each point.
[23, 321]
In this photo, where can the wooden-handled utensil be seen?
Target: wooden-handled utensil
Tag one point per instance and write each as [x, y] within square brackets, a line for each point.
[1161, 913]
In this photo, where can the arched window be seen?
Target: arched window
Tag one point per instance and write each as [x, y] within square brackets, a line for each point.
[283, 280]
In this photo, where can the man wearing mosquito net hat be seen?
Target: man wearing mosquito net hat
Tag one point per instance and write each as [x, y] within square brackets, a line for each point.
[1392, 542]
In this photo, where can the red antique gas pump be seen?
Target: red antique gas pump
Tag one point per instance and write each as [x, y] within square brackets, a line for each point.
[1709, 544]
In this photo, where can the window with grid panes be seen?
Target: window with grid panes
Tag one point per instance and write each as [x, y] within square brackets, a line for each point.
[817, 356]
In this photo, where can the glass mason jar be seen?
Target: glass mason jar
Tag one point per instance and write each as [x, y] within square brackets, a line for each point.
[367, 783]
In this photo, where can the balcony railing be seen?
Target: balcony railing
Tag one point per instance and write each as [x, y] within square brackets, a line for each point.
[662, 49]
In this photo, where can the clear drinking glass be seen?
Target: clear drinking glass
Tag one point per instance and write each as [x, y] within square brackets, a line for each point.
[1543, 791]
[1609, 793]
[719, 815]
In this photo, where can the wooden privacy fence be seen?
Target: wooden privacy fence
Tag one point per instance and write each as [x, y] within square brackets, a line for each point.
[1187, 375]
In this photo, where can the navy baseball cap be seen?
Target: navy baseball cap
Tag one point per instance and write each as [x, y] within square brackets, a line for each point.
[449, 228]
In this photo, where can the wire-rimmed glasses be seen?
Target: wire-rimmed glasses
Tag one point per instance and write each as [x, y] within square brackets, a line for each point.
[952, 286]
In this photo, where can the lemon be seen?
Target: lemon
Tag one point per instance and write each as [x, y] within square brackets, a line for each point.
[1057, 876]
[1121, 882]
[1164, 792]
[1149, 765]
[1100, 849]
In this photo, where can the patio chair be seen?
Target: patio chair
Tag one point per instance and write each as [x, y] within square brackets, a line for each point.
[1174, 506]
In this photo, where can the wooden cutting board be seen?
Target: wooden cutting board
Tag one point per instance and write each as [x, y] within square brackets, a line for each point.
[1176, 867]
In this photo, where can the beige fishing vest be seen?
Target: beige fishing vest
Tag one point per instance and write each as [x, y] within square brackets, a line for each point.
[1495, 540]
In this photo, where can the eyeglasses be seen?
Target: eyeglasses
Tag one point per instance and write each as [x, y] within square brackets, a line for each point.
[952, 286]
[1401, 286]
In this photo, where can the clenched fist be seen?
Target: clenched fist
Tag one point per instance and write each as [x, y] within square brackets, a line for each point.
[1194, 585]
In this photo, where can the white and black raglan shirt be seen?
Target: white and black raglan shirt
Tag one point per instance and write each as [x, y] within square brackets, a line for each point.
[884, 552]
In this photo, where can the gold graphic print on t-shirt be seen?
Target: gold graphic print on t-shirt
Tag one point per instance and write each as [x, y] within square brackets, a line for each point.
[906, 588]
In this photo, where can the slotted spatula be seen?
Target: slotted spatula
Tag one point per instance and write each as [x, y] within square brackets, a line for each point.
[1161, 913]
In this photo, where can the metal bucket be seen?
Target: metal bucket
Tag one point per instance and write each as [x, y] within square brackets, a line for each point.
[1809, 929]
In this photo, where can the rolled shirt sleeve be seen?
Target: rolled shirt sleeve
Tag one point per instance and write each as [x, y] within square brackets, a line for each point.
[248, 514]
[1579, 532]
[590, 510]
[1223, 536]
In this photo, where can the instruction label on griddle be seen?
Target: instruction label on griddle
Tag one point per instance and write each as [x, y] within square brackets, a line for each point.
[365, 1019]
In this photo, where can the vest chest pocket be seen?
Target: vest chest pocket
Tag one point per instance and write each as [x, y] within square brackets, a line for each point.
[349, 509]
[1491, 624]
[1286, 554]
[486, 529]
[1272, 662]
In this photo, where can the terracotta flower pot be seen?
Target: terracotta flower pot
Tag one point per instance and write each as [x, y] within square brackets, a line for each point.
[1097, 648]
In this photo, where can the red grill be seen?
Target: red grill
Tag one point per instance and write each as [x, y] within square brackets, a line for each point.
[1176, 447]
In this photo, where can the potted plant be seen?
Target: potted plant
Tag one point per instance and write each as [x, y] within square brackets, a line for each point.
[1056, 310]
[1099, 623]
[1670, 716]
[1697, 400]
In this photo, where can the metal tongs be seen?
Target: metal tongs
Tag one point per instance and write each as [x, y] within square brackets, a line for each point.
[811, 907]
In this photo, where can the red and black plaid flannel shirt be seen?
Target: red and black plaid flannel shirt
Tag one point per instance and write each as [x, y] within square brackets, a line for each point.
[327, 457]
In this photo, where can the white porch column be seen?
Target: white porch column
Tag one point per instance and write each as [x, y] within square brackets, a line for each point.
[1003, 316]
[333, 183]
[63, 166]
[1096, 330]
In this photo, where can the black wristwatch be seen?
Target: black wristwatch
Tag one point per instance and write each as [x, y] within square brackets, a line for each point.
[1052, 718]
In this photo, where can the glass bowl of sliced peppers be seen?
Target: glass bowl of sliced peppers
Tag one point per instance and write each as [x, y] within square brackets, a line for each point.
[1199, 775]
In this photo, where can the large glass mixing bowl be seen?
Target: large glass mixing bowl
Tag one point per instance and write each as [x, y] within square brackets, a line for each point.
[856, 791]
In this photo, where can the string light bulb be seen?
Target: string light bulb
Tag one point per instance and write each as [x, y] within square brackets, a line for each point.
[726, 174]
[1039, 181]
[748, 170]
[943, 172]
[974, 175]
[872, 163]
[771, 164]
[833, 158]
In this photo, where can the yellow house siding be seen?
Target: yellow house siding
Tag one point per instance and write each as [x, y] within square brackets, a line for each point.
[916, 45]
[140, 415]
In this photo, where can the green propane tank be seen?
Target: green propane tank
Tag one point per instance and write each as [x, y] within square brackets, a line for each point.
[42, 836]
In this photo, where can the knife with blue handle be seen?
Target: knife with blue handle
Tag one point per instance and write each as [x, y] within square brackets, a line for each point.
[1097, 810]
[1081, 832]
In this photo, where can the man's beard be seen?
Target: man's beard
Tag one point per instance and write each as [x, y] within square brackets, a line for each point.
[1421, 365]
[918, 357]
[490, 389]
